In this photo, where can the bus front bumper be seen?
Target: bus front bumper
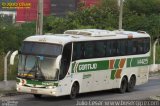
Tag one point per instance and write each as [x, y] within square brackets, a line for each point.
[32, 90]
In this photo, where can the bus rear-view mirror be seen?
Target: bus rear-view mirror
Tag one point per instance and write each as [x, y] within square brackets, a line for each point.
[58, 61]
[12, 57]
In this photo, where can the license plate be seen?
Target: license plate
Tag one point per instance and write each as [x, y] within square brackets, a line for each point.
[33, 91]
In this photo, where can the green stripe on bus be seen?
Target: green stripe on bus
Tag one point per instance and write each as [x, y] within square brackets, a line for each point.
[104, 65]
[73, 66]
[128, 62]
[34, 82]
[139, 61]
[116, 64]
[51, 83]
[17, 80]
[113, 74]
[93, 66]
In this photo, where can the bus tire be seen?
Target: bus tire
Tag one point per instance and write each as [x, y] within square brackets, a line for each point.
[74, 90]
[131, 83]
[37, 96]
[123, 86]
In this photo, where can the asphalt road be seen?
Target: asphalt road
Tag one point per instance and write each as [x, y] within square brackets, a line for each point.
[141, 92]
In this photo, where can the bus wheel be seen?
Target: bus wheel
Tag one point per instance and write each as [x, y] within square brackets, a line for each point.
[74, 91]
[131, 84]
[123, 86]
[37, 96]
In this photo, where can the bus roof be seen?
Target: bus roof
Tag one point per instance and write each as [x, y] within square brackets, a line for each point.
[86, 35]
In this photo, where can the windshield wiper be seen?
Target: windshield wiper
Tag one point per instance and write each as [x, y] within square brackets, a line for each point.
[32, 70]
[37, 71]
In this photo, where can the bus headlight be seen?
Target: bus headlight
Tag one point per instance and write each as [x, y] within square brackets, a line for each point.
[53, 92]
[49, 87]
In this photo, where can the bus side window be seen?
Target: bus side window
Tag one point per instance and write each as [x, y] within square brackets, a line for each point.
[108, 48]
[140, 46]
[100, 49]
[65, 61]
[88, 50]
[113, 48]
[121, 49]
[135, 47]
[130, 47]
[77, 51]
[146, 45]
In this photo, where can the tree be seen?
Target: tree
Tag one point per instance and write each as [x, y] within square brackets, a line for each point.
[146, 7]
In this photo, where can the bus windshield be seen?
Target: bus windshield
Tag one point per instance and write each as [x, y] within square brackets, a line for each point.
[37, 67]
[42, 49]
[37, 61]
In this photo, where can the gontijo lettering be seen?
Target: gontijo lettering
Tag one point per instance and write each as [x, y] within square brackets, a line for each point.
[87, 66]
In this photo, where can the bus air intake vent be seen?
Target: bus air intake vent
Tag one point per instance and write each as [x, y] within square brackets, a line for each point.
[91, 32]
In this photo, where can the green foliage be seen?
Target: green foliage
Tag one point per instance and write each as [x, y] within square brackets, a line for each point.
[8, 39]
[142, 15]
[11, 37]
[100, 17]
[135, 22]
[1, 66]
[58, 25]
[146, 7]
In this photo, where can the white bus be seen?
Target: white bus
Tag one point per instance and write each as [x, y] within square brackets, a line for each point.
[85, 60]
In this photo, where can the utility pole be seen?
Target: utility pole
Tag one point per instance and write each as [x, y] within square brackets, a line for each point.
[120, 14]
[39, 24]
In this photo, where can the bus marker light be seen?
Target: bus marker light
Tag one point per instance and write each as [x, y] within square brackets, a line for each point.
[49, 87]
[53, 92]
[18, 89]
[130, 36]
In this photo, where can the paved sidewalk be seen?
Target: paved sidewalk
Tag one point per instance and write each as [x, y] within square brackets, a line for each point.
[8, 85]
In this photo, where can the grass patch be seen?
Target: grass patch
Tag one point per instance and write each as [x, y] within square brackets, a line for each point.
[1, 66]
[158, 54]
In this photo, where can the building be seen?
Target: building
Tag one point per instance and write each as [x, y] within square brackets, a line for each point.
[30, 14]
[7, 13]
[90, 3]
[62, 7]
[51, 7]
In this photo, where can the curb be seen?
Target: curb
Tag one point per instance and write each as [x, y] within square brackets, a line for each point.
[7, 85]
[11, 94]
